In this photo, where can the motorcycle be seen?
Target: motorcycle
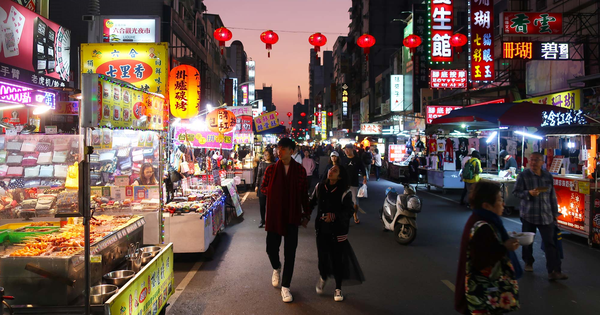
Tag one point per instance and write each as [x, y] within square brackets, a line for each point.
[399, 213]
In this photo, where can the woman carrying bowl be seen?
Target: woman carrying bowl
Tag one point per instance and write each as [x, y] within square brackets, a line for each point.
[488, 267]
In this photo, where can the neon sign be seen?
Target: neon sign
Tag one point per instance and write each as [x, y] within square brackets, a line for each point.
[441, 13]
[16, 94]
[481, 37]
[448, 79]
[345, 100]
[572, 117]
[535, 50]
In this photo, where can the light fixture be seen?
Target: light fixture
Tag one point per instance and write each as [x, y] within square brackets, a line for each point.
[12, 107]
[38, 110]
[209, 107]
[491, 137]
[76, 96]
[463, 125]
[528, 135]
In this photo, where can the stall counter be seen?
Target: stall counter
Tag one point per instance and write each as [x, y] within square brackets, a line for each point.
[444, 179]
[508, 184]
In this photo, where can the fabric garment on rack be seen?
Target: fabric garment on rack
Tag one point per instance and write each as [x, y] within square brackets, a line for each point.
[441, 145]
[474, 143]
[449, 152]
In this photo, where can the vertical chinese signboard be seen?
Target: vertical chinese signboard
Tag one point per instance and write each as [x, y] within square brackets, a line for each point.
[481, 40]
[323, 116]
[396, 92]
[420, 65]
[442, 23]
[345, 101]
[531, 23]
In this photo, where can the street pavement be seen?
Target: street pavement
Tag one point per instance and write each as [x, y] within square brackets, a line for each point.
[414, 279]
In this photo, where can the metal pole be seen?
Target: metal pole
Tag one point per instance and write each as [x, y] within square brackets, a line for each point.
[84, 187]
[498, 148]
[523, 151]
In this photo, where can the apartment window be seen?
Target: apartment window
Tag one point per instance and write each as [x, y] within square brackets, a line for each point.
[540, 5]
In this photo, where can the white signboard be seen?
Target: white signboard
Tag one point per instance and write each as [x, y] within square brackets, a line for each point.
[371, 129]
[396, 93]
[129, 30]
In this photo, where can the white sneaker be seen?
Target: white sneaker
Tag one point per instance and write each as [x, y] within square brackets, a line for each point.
[286, 295]
[337, 296]
[276, 277]
[320, 285]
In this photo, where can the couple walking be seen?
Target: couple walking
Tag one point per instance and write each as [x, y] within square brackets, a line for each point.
[288, 206]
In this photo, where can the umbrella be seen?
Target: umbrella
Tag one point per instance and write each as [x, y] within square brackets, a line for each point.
[508, 114]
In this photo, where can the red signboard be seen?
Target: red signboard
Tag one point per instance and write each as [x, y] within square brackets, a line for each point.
[532, 23]
[34, 49]
[482, 40]
[435, 111]
[442, 22]
[571, 203]
[397, 152]
[448, 79]
[498, 101]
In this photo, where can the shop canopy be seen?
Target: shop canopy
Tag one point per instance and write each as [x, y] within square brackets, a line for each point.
[492, 115]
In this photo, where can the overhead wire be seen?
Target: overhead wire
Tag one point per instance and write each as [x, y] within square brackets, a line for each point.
[282, 31]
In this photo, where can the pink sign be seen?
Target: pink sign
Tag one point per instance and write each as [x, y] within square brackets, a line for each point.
[434, 112]
[448, 79]
[203, 139]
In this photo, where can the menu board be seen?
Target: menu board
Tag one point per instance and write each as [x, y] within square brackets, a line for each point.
[571, 203]
[556, 164]
[124, 107]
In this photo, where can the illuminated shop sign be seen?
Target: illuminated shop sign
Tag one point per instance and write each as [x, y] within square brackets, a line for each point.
[532, 23]
[572, 117]
[448, 79]
[441, 15]
[535, 50]
[345, 101]
[129, 30]
[568, 99]
[244, 94]
[371, 129]
[10, 93]
[397, 92]
[435, 111]
[481, 38]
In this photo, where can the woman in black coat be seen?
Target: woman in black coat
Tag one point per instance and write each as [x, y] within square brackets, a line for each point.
[335, 208]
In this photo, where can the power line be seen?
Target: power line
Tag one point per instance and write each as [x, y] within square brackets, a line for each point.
[281, 31]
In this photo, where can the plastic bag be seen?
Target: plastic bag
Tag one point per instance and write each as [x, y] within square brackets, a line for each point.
[362, 192]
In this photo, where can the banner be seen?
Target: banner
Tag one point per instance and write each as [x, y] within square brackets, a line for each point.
[150, 290]
[568, 99]
[481, 40]
[532, 23]
[34, 49]
[240, 110]
[571, 203]
[143, 65]
[203, 139]
[266, 121]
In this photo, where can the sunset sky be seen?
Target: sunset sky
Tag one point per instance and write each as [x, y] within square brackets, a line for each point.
[288, 66]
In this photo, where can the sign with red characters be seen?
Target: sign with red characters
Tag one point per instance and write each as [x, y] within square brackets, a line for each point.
[435, 111]
[371, 129]
[448, 79]
[441, 25]
[531, 23]
[481, 40]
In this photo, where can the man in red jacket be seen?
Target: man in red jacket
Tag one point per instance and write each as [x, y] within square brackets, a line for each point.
[284, 184]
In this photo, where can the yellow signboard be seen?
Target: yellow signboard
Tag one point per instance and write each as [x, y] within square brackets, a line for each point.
[568, 99]
[145, 65]
[150, 290]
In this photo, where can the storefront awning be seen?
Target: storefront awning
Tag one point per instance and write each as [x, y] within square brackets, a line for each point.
[570, 130]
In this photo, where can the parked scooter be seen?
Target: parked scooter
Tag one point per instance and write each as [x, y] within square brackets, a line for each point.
[399, 213]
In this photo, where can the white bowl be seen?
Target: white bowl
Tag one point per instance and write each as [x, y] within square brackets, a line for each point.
[524, 238]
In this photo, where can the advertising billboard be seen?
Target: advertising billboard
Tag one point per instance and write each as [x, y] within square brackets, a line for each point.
[143, 65]
[448, 79]
[481, 40]
[397, 93]
[135, 30]
[535, 50]
[435, 111]
[34, 49]
[371, 129]
[441, 15]
[532, 23]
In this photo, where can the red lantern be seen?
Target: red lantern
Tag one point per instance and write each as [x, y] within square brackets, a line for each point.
[366, 41]
[289, 114]
[290, 122]
[277, 113]
[310, 122]
[317, 40]
[270, 38]
[282, 123]
[302, 114]
[299, 122]
[412, 41]
[457, 41]
[330, 114]
[222, 34]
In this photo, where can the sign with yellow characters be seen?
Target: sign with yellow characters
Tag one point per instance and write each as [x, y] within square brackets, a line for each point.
[568, 99]
[150, 289]
[123, 106]
[145, 65]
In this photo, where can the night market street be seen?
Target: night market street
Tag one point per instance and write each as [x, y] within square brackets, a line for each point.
[414, 279]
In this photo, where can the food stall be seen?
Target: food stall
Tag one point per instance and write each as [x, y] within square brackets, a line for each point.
[397, 161]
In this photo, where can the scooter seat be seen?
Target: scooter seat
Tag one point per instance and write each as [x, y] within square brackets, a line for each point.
[392, 197]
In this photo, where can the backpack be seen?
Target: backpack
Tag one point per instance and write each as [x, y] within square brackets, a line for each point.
[470, 169]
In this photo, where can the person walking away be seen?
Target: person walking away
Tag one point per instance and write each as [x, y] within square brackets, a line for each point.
[488, 268]
[353, 166]
[334, 210]
[297, 156]
[539, 210]
[309, 166]
[284, 184]
[377, 163]
[260, 174]
[367, 159]
[470, 173]
[463, 162]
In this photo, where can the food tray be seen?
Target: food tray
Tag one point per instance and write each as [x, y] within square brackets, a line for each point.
[17, 236]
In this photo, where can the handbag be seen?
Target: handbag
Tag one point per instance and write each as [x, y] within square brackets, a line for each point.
[495, 283]
[73, 177]
[59, 157]
[14, 159]
[107, 156]
[28, 146]
[44, 158]
[15, 171]
[60, 171]
[43, 147]
[47, 171]
[30, 159]
[3, 156]
[32, 171]
[14, 146]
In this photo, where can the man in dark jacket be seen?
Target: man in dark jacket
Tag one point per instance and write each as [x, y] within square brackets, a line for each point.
[353, 165]
[367, 159]
[285, 186]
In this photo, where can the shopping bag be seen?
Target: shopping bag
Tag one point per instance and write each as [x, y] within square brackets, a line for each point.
[72, 176]
[362, 192]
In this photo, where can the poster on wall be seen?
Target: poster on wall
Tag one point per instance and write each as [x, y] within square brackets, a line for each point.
[33, 49]
[571, 203]
[481, 40]
[143, 65]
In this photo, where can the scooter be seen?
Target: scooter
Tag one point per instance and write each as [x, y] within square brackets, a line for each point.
[399, 213]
